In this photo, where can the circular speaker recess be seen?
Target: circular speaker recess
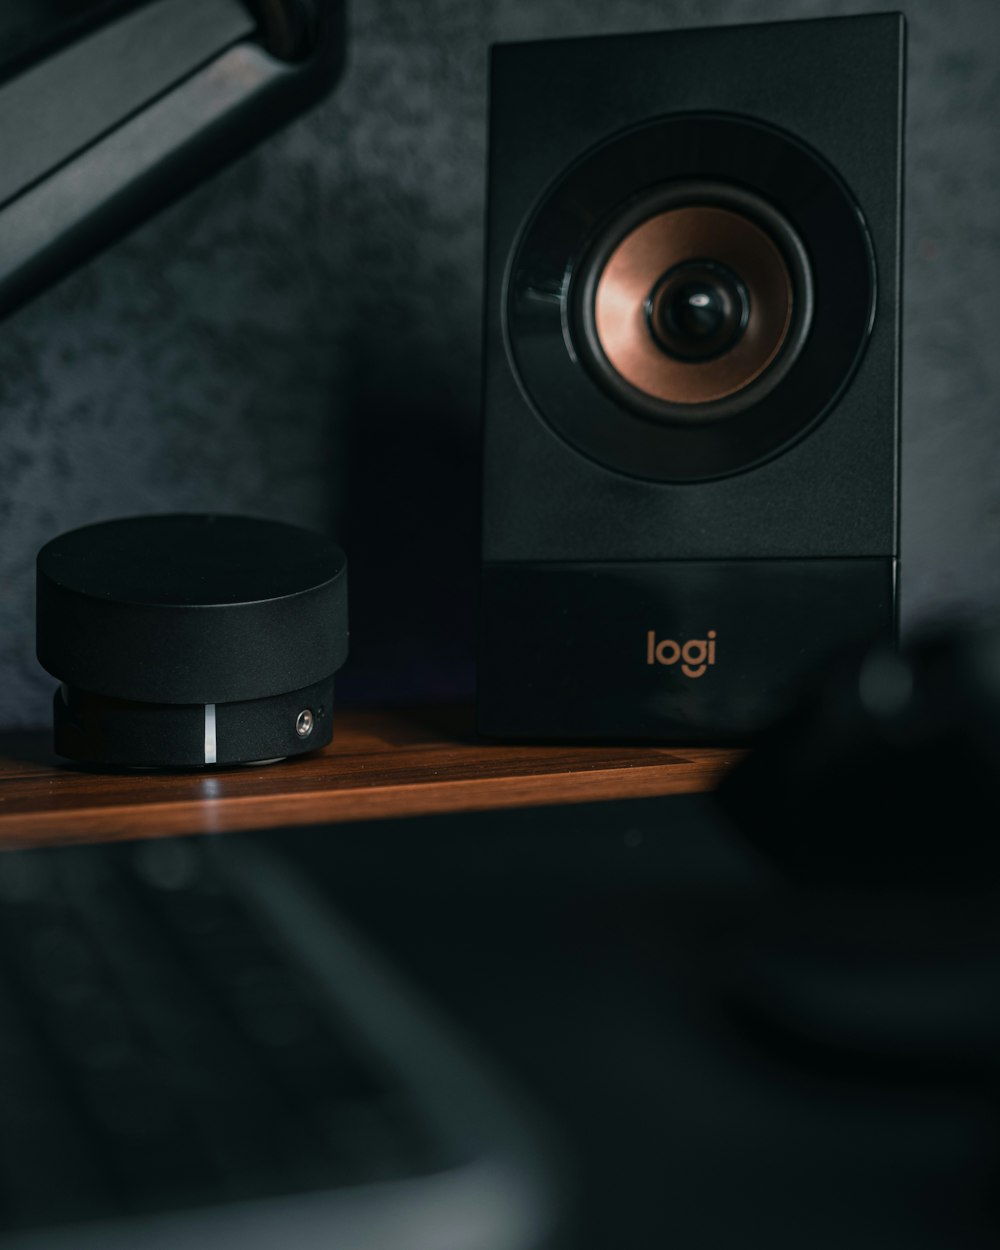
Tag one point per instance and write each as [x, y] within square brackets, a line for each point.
[690, 298]
[191, 640]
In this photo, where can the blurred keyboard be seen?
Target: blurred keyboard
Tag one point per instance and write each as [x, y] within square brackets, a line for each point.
[182, 1027]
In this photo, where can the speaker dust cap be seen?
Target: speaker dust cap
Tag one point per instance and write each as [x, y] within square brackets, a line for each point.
[158, 625]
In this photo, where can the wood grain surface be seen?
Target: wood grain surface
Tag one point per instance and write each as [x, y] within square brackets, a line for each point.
[382, 763]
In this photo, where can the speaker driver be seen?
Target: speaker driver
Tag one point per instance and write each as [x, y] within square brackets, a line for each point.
[691, 297]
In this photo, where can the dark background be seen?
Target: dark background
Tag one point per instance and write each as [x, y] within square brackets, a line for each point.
[300, 338]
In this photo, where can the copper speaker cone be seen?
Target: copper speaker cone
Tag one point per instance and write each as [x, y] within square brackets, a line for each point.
[661, 243]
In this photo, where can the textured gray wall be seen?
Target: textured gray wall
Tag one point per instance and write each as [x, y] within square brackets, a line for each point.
[300, 337]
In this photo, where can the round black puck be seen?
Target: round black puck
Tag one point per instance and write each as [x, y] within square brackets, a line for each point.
[191, 640]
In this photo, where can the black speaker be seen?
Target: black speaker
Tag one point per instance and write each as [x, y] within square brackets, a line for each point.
[191, 640]
[691, 402]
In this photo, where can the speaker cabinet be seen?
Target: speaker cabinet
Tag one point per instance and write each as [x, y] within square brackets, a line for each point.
[691, 402]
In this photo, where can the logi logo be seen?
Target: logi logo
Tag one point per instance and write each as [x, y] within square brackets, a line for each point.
[695, 656]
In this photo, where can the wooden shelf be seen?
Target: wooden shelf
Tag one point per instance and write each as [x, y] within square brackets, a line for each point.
[382, 763]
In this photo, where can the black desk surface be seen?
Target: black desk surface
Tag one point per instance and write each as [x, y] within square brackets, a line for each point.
[600, 954]
[723, 1059]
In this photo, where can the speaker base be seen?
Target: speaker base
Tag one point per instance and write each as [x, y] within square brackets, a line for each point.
[676, 651]
[94, 729]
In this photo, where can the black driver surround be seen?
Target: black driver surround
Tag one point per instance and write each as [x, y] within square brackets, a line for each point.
[547, 345]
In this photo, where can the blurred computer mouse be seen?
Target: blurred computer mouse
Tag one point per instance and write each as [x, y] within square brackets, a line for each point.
[886, 773]
[876, 804]
[856, 985]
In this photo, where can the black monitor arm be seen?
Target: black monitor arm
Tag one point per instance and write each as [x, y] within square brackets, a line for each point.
[106, 129]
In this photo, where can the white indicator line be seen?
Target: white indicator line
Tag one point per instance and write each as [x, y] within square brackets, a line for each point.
[209, 733]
